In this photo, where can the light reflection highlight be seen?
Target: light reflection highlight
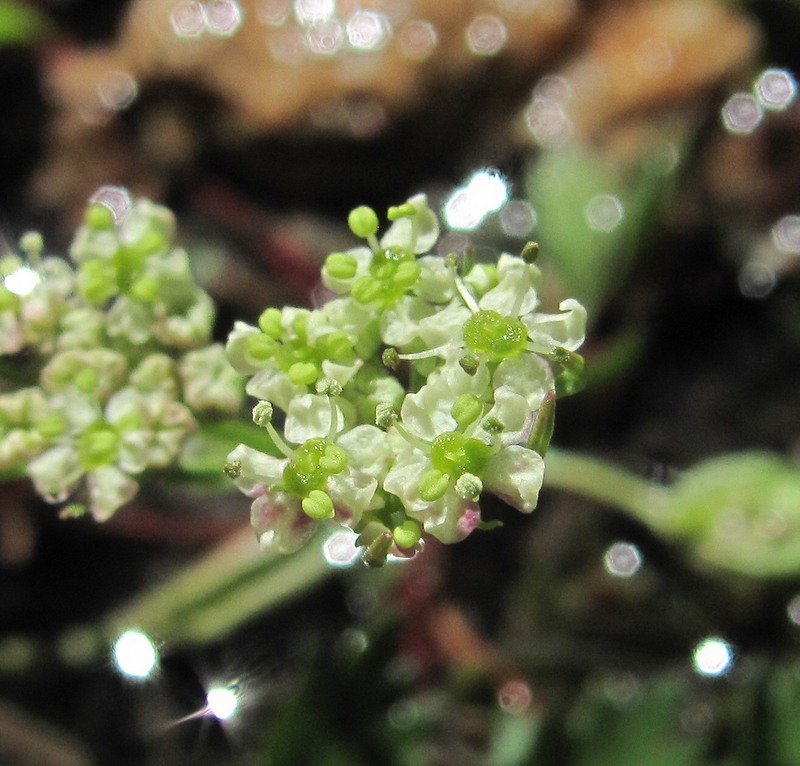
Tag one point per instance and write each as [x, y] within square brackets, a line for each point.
[742, 114]
[340, 549]
[418, 39]
[117, 90]
[467, 207]
[135, 655]
[622, 559]
[368, 30]
[223, 701]
[775, 89]
[188, 18]
[116, 198]
[308, 12]
[604, 212]
[326, 37]
[21, 281]
[712, 657]
[486, 35]
[223, 17]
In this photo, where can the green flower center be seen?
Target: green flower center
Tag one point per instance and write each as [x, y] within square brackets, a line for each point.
[311, 464]
[455, 454]
[97, 446]
[491, 333]
[392, 272]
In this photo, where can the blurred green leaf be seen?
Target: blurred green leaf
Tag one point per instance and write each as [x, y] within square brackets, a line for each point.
[740, 512]
[643, 730]
[20, 23]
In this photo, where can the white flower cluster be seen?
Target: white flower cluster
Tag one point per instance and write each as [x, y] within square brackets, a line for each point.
[425, 381]
[114, 354]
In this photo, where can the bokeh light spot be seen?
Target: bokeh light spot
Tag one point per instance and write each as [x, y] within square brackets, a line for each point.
[340, 549]
[486, 35]
[786, 234]
[418, 39]
[604, 212]
[116, 198]
[742, 114]
[622, 559]
[368, 30]
[485, 193]
[188, 18]
[223, 701]
[518, 219]
[712, 657]
[775, 88]
[223, 17]
[135, 654]
[21, 281]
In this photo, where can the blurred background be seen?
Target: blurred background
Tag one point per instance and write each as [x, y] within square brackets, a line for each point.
[653, 150]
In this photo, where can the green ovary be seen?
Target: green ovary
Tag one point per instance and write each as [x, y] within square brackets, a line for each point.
[488, 332]
[311, 464]
[391, 273]
[97, 446]
[455, 454]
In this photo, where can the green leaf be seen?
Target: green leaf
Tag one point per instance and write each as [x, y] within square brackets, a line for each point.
[740, 512]
[20, 23]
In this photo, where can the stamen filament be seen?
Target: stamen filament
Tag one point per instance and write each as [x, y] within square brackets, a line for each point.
[413, 440]
[466, 295]
[438, 351]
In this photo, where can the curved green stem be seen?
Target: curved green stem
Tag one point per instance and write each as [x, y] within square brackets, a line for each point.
[597, 480]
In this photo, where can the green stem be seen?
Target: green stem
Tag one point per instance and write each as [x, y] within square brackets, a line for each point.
[605, 483]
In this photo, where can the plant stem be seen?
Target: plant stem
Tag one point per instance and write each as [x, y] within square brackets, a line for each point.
[597, 480]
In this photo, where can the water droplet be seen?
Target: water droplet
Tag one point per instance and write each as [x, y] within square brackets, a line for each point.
[135, 654]
[518, 219]
[486, 35]
[775, 88]
[712, 657]
[418, 39]
[368, 30]
[742, 114]
[604, 212]
[188, 18]
[622, 560]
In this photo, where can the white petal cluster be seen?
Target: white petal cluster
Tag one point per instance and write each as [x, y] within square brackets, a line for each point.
[455, 363]
[118, 340]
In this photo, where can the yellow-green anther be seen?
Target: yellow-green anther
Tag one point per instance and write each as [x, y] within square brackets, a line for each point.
[262, 413]
[407, 273]
[406, 210]
[469, 364]
[530, 252]
[433, 485]
[97, 446]
[407, 534]
[390, 358]
[300, 324]
[385, 415]
[303, 373]
[260, 346]
[469, 486]
[86, 380]
[451, 261]
[270, 323]
[32, 244]
[333, 460]
[544, 425]
[318, 505]
[363, 221]
[366, 289]
[145, 289]
[335, 345]
[73, 511]
[99, 216]
[233, 469]
[466, 409]
[51, 424]
[328, 387]
[341, 265]
[492, 425]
